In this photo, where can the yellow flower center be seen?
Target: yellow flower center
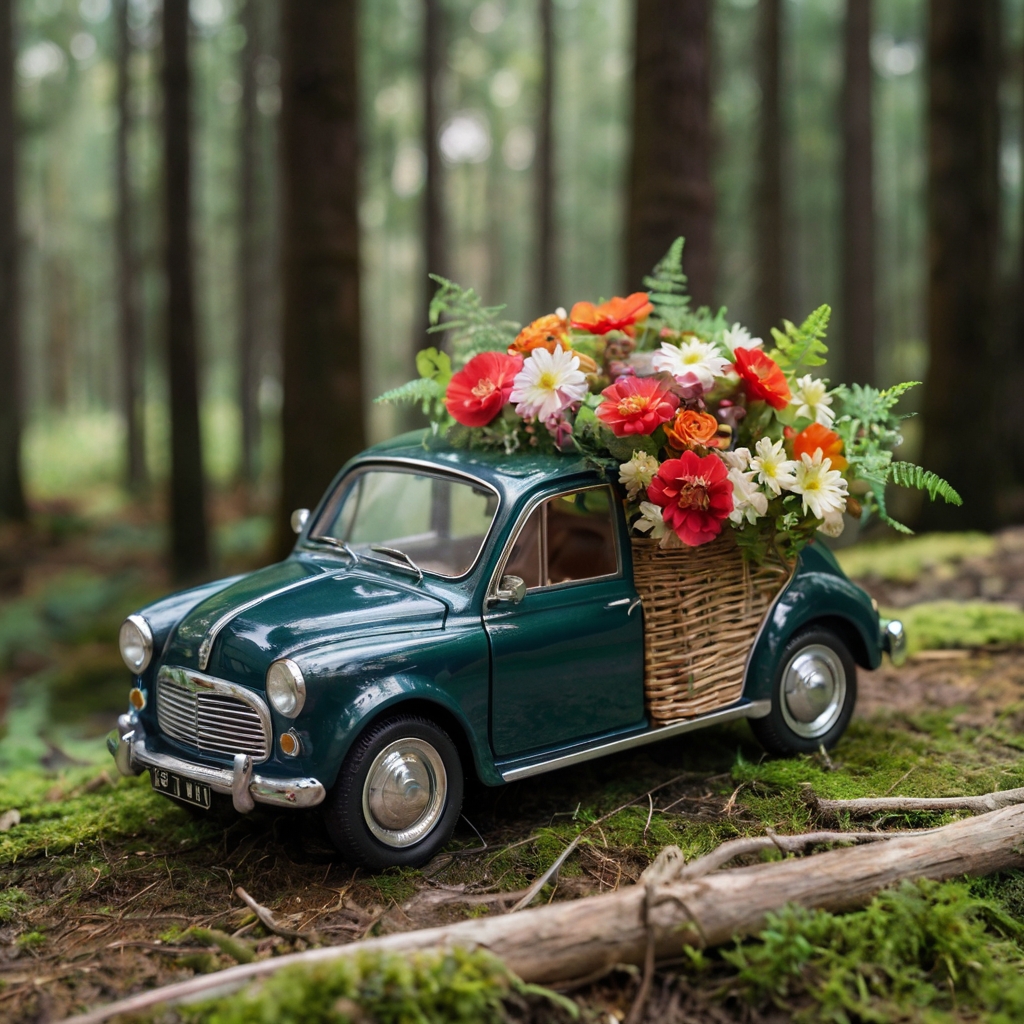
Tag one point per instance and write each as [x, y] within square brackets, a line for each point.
[547, 381]
[632, 404]
[485, 386]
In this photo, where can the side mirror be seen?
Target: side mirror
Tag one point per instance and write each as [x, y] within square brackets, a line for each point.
[511, 588]
[299, 519]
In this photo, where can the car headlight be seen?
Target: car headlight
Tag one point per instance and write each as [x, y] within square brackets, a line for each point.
[136, 643]
[286, 689]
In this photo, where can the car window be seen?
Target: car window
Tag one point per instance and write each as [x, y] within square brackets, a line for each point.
[568, 538]
[440, 522]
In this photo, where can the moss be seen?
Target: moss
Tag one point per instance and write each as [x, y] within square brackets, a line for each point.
[934, 625]
[59, 816]
[903, 560]
[385, 988]
[30, 940]
[923, 951]
[12, 902]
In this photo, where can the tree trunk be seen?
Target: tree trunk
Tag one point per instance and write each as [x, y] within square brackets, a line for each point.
[963, 196]
[546, 283]
[770, 299]
[670, 192]
[12, 497]
[132, 388]
[857, 336]
[248, 251]
[575, 939]
[189, 556]
[435, 233]
[323, 399]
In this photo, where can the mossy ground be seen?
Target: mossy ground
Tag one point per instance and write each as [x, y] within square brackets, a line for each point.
[106, 888]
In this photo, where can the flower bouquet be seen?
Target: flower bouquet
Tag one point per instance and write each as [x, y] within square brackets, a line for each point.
[704, 426]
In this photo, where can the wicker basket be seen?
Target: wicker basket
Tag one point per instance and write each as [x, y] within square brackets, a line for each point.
[702, 609]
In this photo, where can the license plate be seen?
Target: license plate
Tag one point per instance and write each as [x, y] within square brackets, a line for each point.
[186, 790]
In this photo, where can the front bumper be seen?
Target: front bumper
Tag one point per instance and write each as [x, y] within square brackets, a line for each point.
[894, 640]
[246, 789]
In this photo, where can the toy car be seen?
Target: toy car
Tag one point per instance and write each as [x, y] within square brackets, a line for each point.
[448, 612]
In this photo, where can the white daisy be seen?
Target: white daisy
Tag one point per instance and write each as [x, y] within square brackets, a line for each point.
[636, 474]
[822, 487]
[813, 401]
[738, 459]
[698, 357]
[748, 501]
[739, 337]
[774, 471]
[548, 383]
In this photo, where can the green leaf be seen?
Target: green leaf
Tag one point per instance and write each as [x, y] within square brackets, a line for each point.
[434, 365]
[420, 390]
[906, 474]
[802, 346]
[472, 326]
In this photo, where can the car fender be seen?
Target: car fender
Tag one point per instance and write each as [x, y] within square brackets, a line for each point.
[817, 593]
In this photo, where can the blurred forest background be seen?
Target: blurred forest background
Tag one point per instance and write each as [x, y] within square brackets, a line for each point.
[217, 217]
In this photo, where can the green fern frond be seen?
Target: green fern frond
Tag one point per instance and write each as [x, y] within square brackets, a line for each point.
[423, 389]
[907, 474]
[878, 493]
[803, 345]
[666, 287]
[473, 327]
[897, 391]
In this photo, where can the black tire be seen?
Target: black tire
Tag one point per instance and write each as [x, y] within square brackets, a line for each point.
[364, 840]
[789, 728]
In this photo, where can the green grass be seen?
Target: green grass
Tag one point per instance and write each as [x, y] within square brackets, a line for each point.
[935, 625]
[903, 560]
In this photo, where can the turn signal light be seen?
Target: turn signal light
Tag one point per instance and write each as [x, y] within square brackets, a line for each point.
[136, 698]
[289, 743]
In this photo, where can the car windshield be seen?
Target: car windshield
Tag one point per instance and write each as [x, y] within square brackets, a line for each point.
[438, 522]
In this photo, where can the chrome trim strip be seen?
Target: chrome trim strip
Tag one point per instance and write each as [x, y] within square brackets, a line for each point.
[304, 792]
[195, 681]
[206, 647]
[755, 709]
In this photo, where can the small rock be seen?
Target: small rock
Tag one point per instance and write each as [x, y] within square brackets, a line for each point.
[9, 819]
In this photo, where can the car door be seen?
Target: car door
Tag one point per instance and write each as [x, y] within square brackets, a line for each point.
[566, 659]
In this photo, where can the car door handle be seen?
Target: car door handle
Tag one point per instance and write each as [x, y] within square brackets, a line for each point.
[617, 604]
[636, 604]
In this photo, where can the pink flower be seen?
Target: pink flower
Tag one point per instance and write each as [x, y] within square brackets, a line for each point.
[477, 392]
[637, 405]
[695, 495]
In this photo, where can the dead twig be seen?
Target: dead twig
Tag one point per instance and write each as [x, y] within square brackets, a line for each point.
[872, 805]
[270, 922]
[531, 894]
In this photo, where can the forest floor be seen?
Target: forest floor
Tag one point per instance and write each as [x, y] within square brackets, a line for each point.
[107, 889]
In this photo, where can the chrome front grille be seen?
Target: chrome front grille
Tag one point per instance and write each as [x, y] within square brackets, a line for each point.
[211, 715]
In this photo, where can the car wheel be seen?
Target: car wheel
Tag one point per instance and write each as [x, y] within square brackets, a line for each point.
[813, 695]
[398, 795]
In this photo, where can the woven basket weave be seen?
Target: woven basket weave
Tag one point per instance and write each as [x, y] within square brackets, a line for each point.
[702, 608]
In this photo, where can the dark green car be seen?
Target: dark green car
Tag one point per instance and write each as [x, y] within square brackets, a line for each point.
[447, 612]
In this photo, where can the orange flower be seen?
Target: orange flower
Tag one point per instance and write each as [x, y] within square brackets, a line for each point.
[546, 332]
[811, 438]
[692, 429]
[616, 314]
[762, 377]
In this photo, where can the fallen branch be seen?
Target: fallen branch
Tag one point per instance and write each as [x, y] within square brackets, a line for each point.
[576, 938]
[873, 805]
[270, 922]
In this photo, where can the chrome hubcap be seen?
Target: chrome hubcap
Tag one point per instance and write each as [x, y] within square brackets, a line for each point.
[404, 793]
[813, 691]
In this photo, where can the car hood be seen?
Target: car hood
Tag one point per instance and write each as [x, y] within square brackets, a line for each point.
[285, 608]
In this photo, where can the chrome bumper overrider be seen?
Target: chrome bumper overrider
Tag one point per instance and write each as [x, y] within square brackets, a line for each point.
[894, 640]
[132, 757]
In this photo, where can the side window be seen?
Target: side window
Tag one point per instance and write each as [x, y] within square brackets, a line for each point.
[567, 538]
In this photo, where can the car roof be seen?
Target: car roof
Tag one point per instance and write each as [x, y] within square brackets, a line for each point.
[511, 474]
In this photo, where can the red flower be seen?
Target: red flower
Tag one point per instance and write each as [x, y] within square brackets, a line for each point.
[614, 315]
[637, 405]
[478, 391]
[762, 377]
[811, 438]
[695, 494]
